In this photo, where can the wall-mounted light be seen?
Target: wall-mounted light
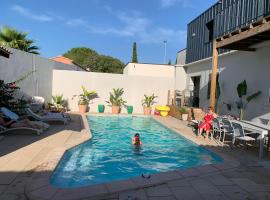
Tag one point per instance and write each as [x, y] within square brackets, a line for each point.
[193, 34]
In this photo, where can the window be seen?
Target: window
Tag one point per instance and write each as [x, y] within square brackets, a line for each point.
[209, 32]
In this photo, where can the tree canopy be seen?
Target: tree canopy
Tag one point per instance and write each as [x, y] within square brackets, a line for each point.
[10, 37]
[91, 60]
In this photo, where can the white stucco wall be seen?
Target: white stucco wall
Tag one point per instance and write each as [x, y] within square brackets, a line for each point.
[180, 78]
[181, 57]
[69, 83]
[155, 70]
[38, 83]
[235, 67]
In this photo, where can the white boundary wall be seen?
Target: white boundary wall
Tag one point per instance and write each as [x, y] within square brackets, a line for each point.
[39, 83]
[69, 83]
[155, 70]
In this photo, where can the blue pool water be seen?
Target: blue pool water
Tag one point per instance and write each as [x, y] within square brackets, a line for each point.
[109, 155]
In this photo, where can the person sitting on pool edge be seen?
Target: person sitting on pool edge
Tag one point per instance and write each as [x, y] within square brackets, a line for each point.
[136, 140]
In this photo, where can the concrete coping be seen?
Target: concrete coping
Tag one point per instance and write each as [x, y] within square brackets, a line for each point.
[39, 188]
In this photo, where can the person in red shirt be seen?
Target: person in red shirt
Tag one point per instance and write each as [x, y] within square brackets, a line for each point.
[206, 125]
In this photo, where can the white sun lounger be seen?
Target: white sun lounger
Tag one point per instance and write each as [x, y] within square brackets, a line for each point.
[47, 118]
[4, 129]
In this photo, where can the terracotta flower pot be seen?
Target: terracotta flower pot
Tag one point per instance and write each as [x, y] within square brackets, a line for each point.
[115, 109]
[83, 108]
[147, 110]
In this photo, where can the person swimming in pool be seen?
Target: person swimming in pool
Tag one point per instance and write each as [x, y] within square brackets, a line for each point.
[136, 140]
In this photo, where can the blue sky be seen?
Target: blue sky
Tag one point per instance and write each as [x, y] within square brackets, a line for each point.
[107, 26]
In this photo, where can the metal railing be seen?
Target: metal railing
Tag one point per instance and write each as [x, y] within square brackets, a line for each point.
[239, 14]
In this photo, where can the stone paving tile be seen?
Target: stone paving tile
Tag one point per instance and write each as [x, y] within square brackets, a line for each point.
[248, 185]
[38, 183]
[223, 166]
[261, 195]
[266, 186]
[120, 185]
[135, 194]
[214, 197]
[235, 192]
[47, 192]
[104, 197]
[189, 172]
[207, 169]
[219, 180]
[162, 198]
[158, 191]
[204, 187]
[256, 175]
[231, 174]
[186, 193]
[178, 183]
[81, 193]
[17, 187]
[12, 197]
[2, 188]
[171, 175]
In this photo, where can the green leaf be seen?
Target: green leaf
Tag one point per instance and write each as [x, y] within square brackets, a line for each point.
[242, 89]
[13, 38]
[115, 98]
[253, 96]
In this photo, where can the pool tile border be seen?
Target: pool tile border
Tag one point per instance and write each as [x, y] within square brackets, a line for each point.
[39, 188]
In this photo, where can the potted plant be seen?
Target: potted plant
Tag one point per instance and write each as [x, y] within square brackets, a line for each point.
[147, 102]
[85, 98]
[129, 109]
[101, 108]
[184, 113]
[58, 103]
[242, 92]
[116, 101]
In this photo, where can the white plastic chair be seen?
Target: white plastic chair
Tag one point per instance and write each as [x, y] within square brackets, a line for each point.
[240, 134]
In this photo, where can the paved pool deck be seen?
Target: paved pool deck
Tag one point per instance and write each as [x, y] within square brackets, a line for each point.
[27, 161]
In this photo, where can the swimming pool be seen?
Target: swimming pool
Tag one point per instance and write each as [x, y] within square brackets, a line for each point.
[110, 156]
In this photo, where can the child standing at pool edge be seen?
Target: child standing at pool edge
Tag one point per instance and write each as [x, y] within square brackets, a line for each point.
[136, 140]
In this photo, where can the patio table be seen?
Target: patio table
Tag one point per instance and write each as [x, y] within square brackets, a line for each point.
[261, 129]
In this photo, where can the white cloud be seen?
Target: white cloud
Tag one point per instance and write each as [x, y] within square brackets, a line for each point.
[77, 22]
[170, 3]
[132, 24]
[27, 13]
[160, 34]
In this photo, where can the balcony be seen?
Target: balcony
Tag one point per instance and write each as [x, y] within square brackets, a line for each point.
[242, 24]
[239, 15]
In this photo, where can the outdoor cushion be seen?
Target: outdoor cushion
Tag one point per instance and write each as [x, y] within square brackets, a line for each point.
[246, 138]
[9, 113]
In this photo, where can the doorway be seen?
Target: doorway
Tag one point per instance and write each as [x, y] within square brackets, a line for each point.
[195, 97]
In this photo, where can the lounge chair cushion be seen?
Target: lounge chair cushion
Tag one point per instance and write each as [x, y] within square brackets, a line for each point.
[246, 138]
[9, 113]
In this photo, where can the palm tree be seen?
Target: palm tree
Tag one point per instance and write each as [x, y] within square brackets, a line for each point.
[13, 38]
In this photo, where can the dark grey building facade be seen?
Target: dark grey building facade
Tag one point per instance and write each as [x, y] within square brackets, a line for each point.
[224, 17]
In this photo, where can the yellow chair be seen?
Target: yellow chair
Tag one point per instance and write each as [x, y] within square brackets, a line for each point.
[163, 110]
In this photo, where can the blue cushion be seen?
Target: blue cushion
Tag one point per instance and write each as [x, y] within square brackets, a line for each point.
[9, 113]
